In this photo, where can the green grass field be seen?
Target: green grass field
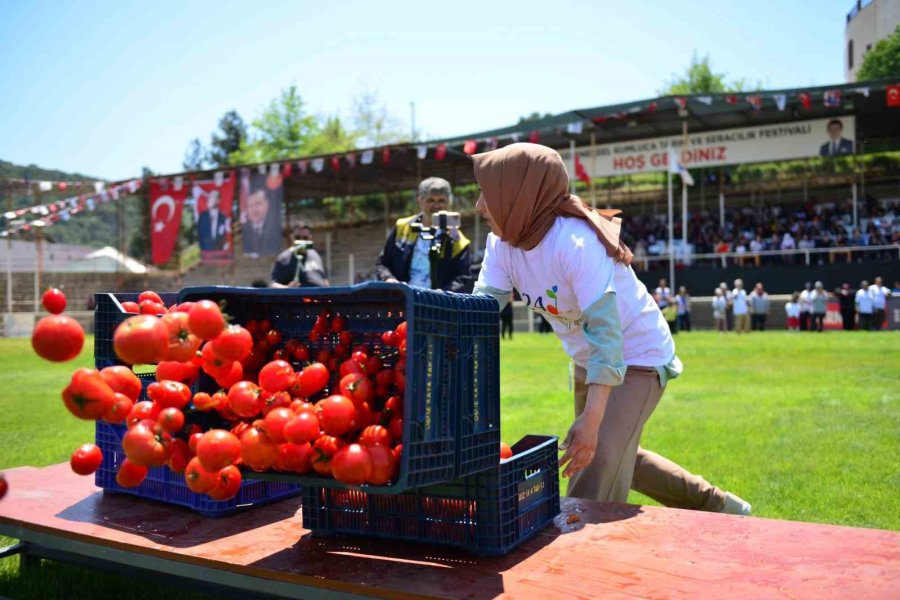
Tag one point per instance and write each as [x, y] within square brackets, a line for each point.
[804, 426]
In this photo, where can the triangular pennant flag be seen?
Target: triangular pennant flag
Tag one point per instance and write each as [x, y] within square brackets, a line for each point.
[492, 143]
[707, 100]
[755, 102]
[179, 182]
[62, 185]
[261, 169]
[440, 153]
[302, 166]
[274, 170]
[731, 99]
[318, 164]
[421, 151]
[218, 178]
[580, 172]
[832, 99]
[367, 157]
[575, 127]
[286, 169]
[114, 193]
[863, 91]
[780, 100]
[336, 164]
[386, 155]
[651, 107]
[98, 186]
[515, 137]
[469, 147]
[534, 137]
[133, 185]
[45, 186]
[804, 100]
[681, 102]
[892, 95]
[351, 159]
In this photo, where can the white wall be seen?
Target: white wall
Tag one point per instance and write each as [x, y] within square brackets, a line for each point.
[877, 20]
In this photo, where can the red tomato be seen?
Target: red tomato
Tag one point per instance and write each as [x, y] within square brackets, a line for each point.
[399, 382]
[205, 320]
[294, 458]
[131, 307]
[394, 406]
[253, 327]
[402, 348]
[505, 451]
[197, 478]
[388, 338]
[358, 388]
[312, 379]
[277, 376]
[140, 411]
[363, 416]
[338, 324]
[4, 486]
[228, 484]
[352, 465]
[235, 375]
[193, 439]
[119, 410]
[148, 307]
[396, 428]
[400, 332]
[275, 421]
[88, 396]
[183, 345]
[184, 372]
[179, 455]
[142, 339]
[86, 459]
[301, 428]
[300, 353]
[243, 398]
[375, 435]
[146, 444]
[273, 337]
[385, 377]
[150, 296]
[254, 360]
[398, 452]
[203, 402]
[168, 394]
[258, 451]
[54, 301]
[299, 406]
[184, 307]
[122, 379]
[373, 365]
[214, 366]
[57, 338]
[383, 464]
[217, 449]
[171, 419]
[324, 449]
[234, 343]
[323, 356]
[275, 401]
[349, 367]
[130, 474]
[336, 414]
[345, 338]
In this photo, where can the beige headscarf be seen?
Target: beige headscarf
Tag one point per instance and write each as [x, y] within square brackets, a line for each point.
[525, 187]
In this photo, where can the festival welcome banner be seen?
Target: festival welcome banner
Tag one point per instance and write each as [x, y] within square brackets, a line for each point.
[784, 141]
[213, 209]
[166, 202]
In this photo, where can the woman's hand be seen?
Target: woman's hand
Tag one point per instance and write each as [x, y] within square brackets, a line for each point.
[580, 445]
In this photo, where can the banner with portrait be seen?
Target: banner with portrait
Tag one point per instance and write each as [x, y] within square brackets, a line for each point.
[261, 197]
[213, 203]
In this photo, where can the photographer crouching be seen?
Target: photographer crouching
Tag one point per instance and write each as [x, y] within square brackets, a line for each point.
[428, 249]
[300, 265]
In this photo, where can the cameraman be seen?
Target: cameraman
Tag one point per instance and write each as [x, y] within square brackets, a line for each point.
[300, 265]
[406, 252]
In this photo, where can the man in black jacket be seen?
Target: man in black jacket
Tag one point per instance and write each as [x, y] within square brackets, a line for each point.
[406, 253]
[300, 265]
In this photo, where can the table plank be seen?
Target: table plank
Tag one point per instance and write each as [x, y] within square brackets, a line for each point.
[613, 550]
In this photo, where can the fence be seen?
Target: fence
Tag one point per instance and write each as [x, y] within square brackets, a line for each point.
[809, 257]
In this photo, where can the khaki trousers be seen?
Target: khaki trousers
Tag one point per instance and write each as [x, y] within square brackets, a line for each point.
[742, 323]
[621, 464]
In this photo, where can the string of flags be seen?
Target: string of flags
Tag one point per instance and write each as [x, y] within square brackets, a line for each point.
[23, 220]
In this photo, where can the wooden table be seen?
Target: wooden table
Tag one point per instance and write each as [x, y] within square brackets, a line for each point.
[609, 551]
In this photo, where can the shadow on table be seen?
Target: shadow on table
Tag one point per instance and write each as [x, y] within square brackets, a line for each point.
[172, 525]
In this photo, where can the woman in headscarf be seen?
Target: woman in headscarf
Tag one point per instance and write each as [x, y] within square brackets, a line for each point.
[569, 265]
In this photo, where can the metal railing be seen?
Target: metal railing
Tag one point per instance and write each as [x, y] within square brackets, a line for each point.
[748, 258]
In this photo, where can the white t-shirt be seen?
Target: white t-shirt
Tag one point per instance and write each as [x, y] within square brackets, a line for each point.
[568, 271]
[879, 296]
[792, 309]
[806, 301]
[420, 266]
[739, 298]
[663, 293]
[864, 302]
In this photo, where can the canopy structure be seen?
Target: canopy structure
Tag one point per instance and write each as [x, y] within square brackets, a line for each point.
[400, 167]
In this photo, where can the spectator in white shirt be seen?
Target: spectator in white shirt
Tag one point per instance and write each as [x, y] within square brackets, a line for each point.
[683, 302]
[792, 309]
[879, 294]
[787, 243]
[818, 300]
[756, 246]
[729, 314]
[740, 307]
[759, 308]
[719, 306]
[663, 294]
[805, 306]
[805, 243]
[864, 306]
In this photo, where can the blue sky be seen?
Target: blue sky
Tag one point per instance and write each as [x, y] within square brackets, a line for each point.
[106, 87]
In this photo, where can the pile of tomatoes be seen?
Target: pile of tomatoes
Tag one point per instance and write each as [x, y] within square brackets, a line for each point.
[279, 405]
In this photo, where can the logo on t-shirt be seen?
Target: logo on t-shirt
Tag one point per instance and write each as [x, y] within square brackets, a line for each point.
[553, 309]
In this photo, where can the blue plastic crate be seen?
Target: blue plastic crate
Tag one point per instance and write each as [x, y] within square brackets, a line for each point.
[490, 513]
[108, 313]
[164, 485]
[430, 419]
[478, 384]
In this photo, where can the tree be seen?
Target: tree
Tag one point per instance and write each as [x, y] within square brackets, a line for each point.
[373, 124]
[195, 156]
[535, 116]
[227, 140]
[882, 61]
[699, 78]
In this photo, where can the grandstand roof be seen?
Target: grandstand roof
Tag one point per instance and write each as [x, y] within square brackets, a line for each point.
[878, 128]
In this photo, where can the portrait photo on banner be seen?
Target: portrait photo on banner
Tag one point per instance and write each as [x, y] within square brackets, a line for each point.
[213, 204]
[260, 206]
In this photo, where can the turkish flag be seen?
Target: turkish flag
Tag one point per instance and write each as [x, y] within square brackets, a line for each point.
[805, 100]
[470, 146]
[440, 152]
[892, 95]
[165, 218]
[580, 172]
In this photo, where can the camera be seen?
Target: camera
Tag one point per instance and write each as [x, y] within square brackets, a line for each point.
[299, 247]
[447, 220]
